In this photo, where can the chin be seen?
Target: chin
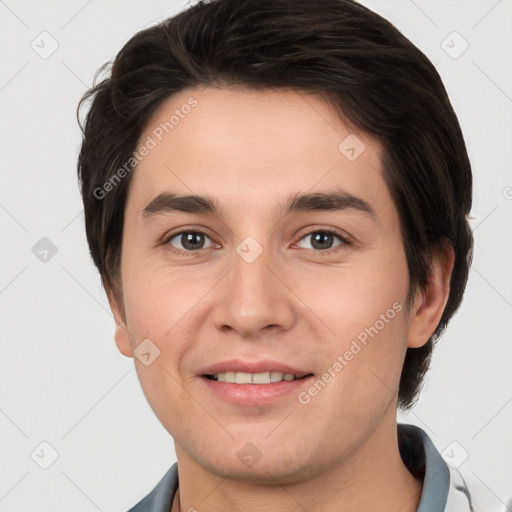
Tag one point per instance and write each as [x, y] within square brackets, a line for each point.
[251, 465]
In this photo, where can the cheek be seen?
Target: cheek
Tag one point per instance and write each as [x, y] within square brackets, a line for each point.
[363, 307]
[156, 299]
[160, 308]
[363, 358]
[358, 295]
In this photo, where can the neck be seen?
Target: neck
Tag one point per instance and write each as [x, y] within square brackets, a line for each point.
[374, 477]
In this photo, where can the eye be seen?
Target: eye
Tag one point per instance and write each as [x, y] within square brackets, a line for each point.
[190, 241]
[322, 240]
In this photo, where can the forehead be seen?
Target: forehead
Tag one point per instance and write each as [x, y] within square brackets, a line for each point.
[251, 149]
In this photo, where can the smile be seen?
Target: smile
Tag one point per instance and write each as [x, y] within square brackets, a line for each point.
[254, 389]
[253, 378]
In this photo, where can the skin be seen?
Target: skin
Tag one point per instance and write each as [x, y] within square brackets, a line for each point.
[252, 150]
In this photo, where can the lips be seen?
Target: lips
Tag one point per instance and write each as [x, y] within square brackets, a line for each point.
[247, 383]
[244, 366]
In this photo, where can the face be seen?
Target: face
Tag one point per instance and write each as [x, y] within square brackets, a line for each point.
[262, 283]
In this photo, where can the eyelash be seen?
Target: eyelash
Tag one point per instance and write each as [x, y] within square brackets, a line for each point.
[344, 239]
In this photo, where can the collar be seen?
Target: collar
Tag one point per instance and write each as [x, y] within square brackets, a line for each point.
[424, 461]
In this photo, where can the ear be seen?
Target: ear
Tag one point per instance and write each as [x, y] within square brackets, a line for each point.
[121, 334]
[429, 303]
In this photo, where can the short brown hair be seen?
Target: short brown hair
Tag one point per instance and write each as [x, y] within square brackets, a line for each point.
[363, 66]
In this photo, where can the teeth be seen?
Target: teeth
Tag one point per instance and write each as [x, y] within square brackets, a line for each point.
[253, 378]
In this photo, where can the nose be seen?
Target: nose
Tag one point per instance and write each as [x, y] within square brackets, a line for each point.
[254, 298]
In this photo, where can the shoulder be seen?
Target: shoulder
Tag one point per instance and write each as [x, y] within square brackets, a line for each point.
[467, 492]
[160, 498]
[445, 487]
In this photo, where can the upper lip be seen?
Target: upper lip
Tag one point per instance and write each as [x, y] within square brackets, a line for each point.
[264, 365]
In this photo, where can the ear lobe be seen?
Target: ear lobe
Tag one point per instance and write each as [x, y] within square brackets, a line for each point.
[121, 334]
[429, 303]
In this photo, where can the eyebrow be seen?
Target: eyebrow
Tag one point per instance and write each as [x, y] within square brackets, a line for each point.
[338, 200]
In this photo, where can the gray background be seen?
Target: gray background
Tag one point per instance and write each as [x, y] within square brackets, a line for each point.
[62, 380]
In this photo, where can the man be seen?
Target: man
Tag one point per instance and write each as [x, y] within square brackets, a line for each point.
[276, 196]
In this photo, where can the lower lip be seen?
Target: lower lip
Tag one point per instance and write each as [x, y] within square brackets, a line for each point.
[255, 394]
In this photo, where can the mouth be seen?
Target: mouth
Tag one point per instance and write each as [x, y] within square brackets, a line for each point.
[254, 389]
[262, 378]
[244, 382]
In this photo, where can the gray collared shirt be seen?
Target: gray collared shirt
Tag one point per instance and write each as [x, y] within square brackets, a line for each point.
[444, 487]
